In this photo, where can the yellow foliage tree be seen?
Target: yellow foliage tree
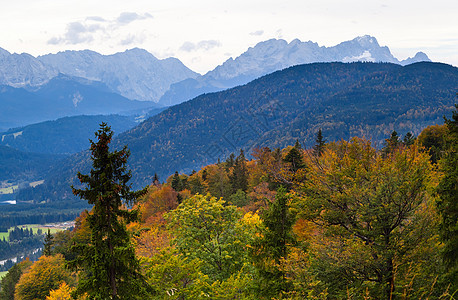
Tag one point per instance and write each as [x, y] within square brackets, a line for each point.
[47, 274]
[62, 293]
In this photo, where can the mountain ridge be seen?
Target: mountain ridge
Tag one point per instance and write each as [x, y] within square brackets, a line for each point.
[276, 54]
[343, 99]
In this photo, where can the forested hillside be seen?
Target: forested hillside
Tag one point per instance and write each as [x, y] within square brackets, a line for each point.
[358, 99]
[340, 220]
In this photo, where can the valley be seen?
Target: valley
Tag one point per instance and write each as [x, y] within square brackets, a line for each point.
[339, 144]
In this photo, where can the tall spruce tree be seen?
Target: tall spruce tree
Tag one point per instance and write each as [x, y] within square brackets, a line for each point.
[176, 182]
[239, 176]
[109, 268]
[320, 143]
[272, 246]
[294, 157]
[48, 242]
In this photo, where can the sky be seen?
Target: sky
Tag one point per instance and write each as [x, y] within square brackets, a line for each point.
[205, 33]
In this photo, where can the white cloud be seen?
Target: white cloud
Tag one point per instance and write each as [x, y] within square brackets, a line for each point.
[129, 17]
[85, 31]
[257, 32]
[132, 39]
[202, 45]
[77, 33]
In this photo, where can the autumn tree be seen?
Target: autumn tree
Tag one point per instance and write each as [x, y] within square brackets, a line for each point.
[367, 206]
[43, 276]
[62, 293]
[109, 268]
[432, 138]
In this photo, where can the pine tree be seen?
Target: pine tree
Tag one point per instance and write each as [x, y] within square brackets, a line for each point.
[176, 182]
[230, 161]
[156, 179]
[294, 157]
[47, 245]
[109, 267]
[391, 144]
[272, 246]
[320, 143]
[239, 176]
[409, 139]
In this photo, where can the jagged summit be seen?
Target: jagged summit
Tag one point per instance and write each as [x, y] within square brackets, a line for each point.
[276, 54]
[134, 73]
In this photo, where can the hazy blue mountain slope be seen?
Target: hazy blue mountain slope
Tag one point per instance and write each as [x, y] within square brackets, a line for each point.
[62, 96]
[62, 136]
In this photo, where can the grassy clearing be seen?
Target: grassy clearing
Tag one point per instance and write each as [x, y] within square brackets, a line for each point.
[53, 228]
[3, 274]
[9, 190]
[4, 235]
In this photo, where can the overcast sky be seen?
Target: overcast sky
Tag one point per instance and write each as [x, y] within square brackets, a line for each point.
[203, 34]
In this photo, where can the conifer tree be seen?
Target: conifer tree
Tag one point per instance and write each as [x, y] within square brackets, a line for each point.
[156, 179]
[294, 157]
[409, 139]
[230, 161]
[320, 143]
[48, 244]
[109, 267]
[273, 246]
[448, 203]
[239, 176]
[176, 182]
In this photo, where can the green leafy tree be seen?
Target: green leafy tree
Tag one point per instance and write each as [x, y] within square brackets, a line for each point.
[272, 247]
[209, 230]
[109, 267]
[172, 276]
[448, 202]
[239, 199]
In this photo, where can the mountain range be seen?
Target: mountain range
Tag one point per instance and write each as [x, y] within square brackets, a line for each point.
[137, 75]
[342, 99]
[277, 54]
